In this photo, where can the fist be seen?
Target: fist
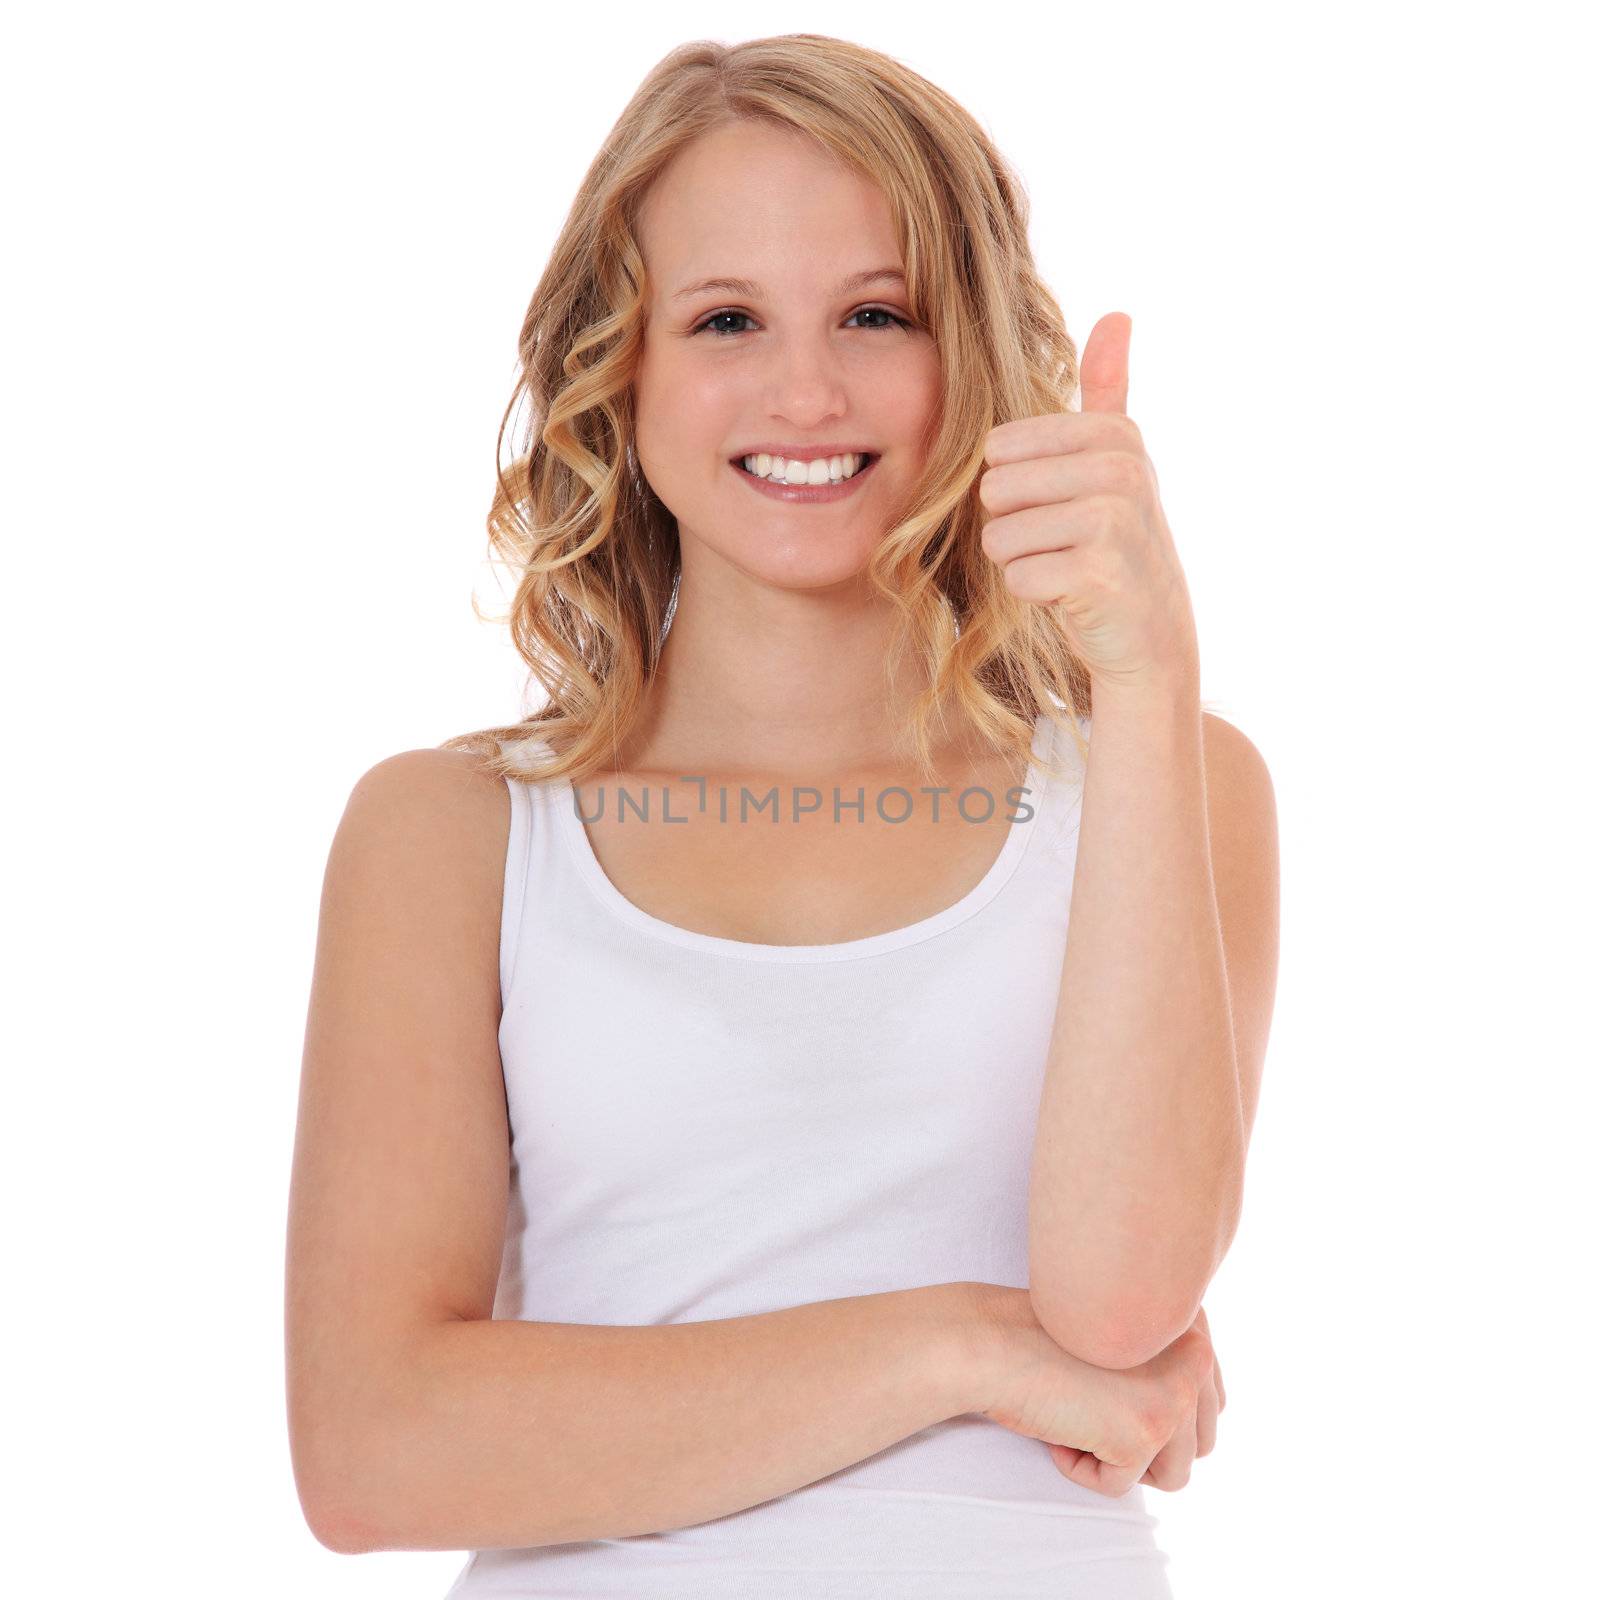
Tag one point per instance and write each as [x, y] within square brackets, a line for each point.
[1075, 522]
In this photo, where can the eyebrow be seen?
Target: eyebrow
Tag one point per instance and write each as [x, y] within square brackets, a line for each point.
[745, 286]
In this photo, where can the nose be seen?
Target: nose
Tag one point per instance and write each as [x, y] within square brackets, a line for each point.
[806, 385]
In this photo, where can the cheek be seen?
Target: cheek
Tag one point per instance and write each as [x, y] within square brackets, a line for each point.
[685, 415]
[911, 402]
[924, 390]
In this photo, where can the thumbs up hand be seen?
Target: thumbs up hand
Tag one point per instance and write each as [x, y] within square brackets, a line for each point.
[1075, 522]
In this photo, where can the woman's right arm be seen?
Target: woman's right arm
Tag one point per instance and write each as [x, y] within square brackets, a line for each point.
[417, 1421]
[529, 1433]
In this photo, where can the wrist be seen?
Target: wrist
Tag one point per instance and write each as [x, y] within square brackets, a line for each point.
[1176, 687]
[979, 1333]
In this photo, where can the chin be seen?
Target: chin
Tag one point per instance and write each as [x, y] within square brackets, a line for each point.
[802, 565]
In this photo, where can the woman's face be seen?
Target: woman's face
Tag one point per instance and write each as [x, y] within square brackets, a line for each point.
[799, 356]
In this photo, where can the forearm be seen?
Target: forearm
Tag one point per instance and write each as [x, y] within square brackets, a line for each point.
[1139, 1147]
[531, 1433]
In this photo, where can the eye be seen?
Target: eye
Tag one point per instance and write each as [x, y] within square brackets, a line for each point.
[881, 311]
[865, 311]
[717, 316]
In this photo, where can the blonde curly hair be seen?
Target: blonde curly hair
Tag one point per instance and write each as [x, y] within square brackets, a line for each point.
[595, 552]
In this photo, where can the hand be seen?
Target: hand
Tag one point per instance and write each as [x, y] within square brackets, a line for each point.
[1213, 1397]
[1106, 1428]
[1075, 522]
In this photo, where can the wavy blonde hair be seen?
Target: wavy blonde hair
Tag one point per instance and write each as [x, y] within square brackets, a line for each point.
[596, 552]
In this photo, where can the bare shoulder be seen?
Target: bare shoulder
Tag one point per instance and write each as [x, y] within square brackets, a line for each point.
[413, 884]
[1240, 801]
[442, 812]
[1231, 751]
[1242, 821]
[443, 784]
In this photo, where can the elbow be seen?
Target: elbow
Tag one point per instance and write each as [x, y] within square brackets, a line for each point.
[341, 1533]
[1129, 1323]
[358, 1450]
[332, 1479]
[336, 1522]
[1117, 1339]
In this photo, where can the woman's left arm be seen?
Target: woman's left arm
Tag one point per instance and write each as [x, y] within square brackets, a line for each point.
[1171, 959]
[1155, 1058]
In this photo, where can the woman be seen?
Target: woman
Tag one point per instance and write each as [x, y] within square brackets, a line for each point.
[717, 1168]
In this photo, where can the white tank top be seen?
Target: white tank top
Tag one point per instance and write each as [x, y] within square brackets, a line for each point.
[705, 1128]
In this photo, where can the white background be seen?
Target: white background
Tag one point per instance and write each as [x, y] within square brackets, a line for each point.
[265, 273]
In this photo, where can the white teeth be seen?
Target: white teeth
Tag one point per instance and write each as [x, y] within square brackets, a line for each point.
[827, 469]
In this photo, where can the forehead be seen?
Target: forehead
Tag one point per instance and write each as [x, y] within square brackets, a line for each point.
[767, 205]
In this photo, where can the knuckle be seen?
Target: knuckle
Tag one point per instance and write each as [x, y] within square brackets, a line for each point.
[1155, 1418]
[1128, 473]
[1151, 1436]
[1183, 1395]
[1145, 1417]
[1104, 577]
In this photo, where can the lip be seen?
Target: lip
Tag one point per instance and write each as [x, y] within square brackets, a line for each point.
[805, 494]
[804, 452]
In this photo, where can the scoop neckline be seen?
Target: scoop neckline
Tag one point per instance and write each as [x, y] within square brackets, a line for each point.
[993, 881]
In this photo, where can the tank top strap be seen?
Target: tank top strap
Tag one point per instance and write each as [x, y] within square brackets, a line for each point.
[514, 888]
[1063, 786]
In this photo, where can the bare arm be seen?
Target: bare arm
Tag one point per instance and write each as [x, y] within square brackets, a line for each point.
[530, 1433]
[417, 1421]
[1137, 1179]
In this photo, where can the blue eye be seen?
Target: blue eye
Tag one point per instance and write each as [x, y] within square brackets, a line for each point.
[865, 311]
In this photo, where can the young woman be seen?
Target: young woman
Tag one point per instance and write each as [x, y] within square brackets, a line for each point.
[769, 1118]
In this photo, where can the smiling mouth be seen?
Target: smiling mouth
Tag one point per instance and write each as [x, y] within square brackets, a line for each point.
[865, 460]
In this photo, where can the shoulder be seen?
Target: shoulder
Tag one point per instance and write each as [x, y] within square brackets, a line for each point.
[433, 823]
[1242, 823]
[1241, 808]
[1242, 820]
[430, 780]
[1235, 768]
